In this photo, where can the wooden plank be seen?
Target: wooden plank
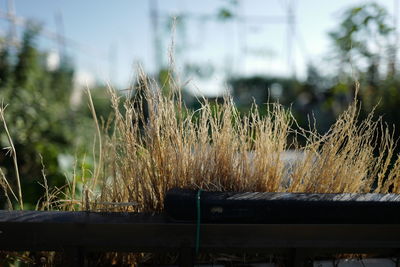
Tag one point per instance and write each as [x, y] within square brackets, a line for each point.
[59, 231]
[286, 196]
[289, 208]
[368, 197]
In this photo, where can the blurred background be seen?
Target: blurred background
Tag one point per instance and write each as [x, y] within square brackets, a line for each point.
[306, 54]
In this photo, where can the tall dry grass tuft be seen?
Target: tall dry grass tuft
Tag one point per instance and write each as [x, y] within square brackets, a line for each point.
[153, 143]
[215, 148]
[11, 149]
[352, 157]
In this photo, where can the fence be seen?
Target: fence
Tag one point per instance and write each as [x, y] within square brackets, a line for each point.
[79, 233]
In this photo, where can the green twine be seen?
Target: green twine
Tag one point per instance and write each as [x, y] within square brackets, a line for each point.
[198, 221]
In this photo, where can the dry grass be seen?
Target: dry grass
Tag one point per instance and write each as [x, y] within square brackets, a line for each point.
[139, 158]
[215, 148]
[11, 150]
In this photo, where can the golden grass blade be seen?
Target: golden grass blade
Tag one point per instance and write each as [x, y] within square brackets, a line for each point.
[14, 156]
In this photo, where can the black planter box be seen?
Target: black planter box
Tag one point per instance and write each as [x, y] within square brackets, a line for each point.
[286, 208]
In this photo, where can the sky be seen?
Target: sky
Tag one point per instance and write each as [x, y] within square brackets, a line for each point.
[109, 39]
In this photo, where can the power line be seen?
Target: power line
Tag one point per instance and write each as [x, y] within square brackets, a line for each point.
[59, 38]
[60, 33]
[241, 19]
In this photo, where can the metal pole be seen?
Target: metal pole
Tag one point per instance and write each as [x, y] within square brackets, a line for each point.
[396, 36]
[156, 35]
[12, 22]
[290, 35]
[60, 35]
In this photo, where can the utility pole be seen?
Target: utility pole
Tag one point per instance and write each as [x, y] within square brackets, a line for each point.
[12, 19]
[60, 39]
[112, 63]
[241, 37]
[291, 32]
[393, 61]
[156, 35]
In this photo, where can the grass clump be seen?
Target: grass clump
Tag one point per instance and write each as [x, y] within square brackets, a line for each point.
[216, 148]
[153, 143]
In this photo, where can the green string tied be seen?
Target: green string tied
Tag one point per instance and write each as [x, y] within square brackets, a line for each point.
[198, 200]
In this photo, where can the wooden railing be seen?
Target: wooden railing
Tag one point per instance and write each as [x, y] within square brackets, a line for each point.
[79, 233]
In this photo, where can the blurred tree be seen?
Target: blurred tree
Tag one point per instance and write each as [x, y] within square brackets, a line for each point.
[362, 43]
[362, 35]
[5, 66]
[261, 90]
[27, 67]
[226, 12]
[41, 121]
[61, 79]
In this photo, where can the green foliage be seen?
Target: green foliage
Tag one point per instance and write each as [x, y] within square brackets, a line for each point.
[5, 67]
[362, 36]
[44, 127]
[27, 68]
[226, 12]
[364, 41]
[263, 90]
